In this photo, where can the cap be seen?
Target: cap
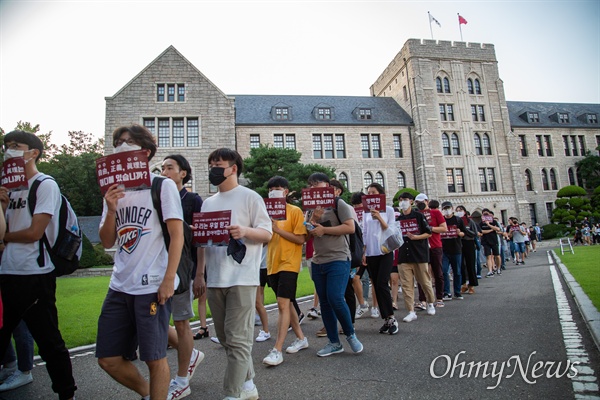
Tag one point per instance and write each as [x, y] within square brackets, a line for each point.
[446, 204]
[421, 197]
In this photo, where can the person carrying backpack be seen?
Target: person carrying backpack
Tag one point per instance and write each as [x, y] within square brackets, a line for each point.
[27, 276]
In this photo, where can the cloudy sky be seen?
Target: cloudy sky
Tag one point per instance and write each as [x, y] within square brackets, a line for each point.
[60, 59]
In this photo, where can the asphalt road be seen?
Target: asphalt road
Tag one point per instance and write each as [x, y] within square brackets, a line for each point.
[513, 316]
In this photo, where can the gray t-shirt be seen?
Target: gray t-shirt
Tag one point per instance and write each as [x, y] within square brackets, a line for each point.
[330, 248]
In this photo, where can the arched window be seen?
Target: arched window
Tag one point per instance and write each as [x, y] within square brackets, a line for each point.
[487, 148]
[553, 184]
[401, 180]
[446, 144]
[477, 86]
[478, 149]
[367, 180]
[379, 179]
[571, 176]
[343, 178]
[528, 181]
[438, 85]
[455, 145]
[446, 85]
[470, 86]
[579, 177]
[545, 184]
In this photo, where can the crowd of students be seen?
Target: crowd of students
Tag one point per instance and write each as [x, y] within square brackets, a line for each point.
[443, 251]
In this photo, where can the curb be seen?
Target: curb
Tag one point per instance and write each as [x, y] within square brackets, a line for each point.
[588, 311]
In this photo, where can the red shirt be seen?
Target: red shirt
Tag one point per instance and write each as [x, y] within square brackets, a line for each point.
[434, 219]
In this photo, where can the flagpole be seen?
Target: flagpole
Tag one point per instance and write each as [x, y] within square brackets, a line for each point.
[460, 28]
[430, 30]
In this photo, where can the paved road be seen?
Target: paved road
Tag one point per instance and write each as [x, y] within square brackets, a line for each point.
[510, 316]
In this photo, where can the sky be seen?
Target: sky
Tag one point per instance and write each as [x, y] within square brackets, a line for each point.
[60, 59]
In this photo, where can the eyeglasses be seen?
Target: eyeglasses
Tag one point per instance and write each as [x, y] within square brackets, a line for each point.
[129, 141]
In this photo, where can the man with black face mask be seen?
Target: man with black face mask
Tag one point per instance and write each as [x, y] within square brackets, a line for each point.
[436, 221]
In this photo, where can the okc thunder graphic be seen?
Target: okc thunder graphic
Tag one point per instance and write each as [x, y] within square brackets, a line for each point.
[131, 222]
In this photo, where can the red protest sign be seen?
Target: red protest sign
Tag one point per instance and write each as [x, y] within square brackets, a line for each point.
[276, 208]
[410, 225]
[373, 202]
[13, 174]
[487, 218]
[209, 228]
[129, 168]
[323, 197]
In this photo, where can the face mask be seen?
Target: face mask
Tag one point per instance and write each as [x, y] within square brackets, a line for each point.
[460, 214]
[216, 175]
[404, 205]
[276, 194]
[127, 147]
[10, 153]
[447, 212]
[421, 206]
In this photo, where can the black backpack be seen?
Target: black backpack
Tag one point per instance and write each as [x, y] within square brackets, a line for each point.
[66, 252]
[356, 243]
[186, 264]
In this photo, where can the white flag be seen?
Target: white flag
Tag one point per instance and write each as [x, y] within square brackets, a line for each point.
[431, 19]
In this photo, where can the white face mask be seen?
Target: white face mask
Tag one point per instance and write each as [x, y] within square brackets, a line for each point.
[460, 214]
[10, 153]
[447, 212]
[276, 194]
[404, 205]
[127, 147]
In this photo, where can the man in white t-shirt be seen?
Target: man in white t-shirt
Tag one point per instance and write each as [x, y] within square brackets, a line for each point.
[28, 281]
[231, 284]
[137, 308]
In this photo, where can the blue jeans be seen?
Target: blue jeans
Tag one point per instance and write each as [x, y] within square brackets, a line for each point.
[330, 282]
[24, 346]
[455, 260]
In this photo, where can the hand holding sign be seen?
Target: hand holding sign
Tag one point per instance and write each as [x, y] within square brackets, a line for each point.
[129, 168]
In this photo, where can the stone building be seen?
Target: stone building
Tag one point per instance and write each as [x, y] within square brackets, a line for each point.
[437, 121]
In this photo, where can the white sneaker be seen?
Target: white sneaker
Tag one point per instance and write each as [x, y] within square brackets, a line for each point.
[262, 336]
[297, 345]
[374, 312]
[410, 317]
[312, 313]
[17, 379]
[6, 372]
[430, 309]
[257, 321]
[197, 357]
[360, 312]
[176, 391]
[249, 394]
[273, 358]
[215, 339]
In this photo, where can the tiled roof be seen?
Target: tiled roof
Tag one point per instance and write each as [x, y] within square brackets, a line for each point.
[259, 110]
[548, 114]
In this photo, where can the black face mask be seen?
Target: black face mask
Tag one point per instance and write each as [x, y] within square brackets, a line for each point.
[421, 206]
[216, 175]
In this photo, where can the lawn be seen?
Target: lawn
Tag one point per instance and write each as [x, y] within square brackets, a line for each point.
[584, 267]
[79, 301]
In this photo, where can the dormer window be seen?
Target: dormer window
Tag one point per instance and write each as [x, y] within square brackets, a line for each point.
[282, 113]
[324, 113]
[563, 118]
[365, 113]
[592, 118]
[533, 117]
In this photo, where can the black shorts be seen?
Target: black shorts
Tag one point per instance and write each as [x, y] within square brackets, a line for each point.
[361, 270]
[128, 321]
[284, 284]
[263, 278]
[394, 269]
[489, 250]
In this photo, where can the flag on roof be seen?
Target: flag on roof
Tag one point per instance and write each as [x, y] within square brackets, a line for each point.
[432, 19]
[461, 20]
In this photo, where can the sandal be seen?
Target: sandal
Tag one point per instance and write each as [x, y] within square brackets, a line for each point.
[394, 306]
[202, 333]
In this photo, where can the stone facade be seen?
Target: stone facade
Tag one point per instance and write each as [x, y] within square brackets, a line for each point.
[427, 81]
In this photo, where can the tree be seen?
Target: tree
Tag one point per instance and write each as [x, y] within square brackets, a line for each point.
[572, 205]
[412, 191]
[589, 167]
[265, 162]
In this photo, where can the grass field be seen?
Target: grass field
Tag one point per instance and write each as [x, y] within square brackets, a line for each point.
[585, 267]
[79, 301]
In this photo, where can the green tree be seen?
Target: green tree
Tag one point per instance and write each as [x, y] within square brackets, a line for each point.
[572, 205]
[589, 167]
[265, 162]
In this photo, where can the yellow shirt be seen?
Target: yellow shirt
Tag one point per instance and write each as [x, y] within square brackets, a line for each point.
[283, 255]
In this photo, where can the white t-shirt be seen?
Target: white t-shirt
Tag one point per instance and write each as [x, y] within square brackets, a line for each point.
[141, 258]
[372, 230]
[247, 209]
[21, 258]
